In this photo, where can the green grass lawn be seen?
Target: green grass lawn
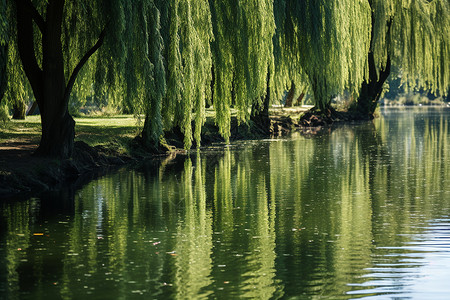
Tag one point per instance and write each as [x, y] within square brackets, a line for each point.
[21, 130]
[112, 130]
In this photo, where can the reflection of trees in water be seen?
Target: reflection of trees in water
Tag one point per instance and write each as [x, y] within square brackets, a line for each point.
[193, 242]
[418, 147]
[244, 253]
[326, 227]
[268, 220]
[17, 233]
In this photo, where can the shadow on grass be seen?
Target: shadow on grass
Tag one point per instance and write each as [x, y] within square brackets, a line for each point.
[92, 130]
[115, 131]
[21, 130]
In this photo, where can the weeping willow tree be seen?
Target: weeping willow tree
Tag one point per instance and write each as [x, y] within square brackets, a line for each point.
[11, 70]
[349, 46]
[3, 52]
[144, 67]
[17, 88]
[190, 63]
[111, 49]
[58, 44]
[160, 57]
[378, 57]
[332, 42]
[184, 62]
[54, 40]
[289, 74]
[421, 43]
[413, 35]
[242, 58]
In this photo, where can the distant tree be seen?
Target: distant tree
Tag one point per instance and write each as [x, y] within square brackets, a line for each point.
[3, 52]
[346, 45]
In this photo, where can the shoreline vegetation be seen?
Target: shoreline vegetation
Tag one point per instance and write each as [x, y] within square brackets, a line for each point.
[106, 143]
[166, 61]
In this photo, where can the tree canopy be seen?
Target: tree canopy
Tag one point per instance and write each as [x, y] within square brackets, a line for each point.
[167, 60]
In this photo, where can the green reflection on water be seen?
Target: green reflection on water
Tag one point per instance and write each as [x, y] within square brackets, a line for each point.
[306, 217]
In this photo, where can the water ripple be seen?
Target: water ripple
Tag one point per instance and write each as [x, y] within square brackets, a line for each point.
[417, 269]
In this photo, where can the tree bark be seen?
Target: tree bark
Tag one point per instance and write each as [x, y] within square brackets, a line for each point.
[19, 109]
[48, 84]
[209, 102]
[260, 110]
[300, 98]
[320, 105]
[32, 109]
[290, 96]
[371, 90]
[58, 127]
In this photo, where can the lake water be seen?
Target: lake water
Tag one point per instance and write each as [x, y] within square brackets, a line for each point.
[360, 211]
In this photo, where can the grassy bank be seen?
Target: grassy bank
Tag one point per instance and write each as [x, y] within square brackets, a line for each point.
[101, 143]
[114, 131]
[110, 131]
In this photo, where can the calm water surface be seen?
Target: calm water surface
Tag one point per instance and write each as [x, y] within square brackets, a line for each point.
[359, 212]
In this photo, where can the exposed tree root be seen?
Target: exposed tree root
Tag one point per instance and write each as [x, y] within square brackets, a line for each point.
[317, 118]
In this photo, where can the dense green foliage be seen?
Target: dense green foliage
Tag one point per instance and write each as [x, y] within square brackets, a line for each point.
[168, 59]
[332, 47]
[422, 46]
[3, 57]
[243, 56]
[189, 67]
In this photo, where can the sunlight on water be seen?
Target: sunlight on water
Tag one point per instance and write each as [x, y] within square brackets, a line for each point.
[418, 270]
[360, 211]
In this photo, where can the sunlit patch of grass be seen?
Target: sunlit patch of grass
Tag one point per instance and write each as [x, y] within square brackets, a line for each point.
[17, 130]
[114, 131]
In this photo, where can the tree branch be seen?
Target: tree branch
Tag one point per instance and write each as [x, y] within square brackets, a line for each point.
[384, 73]
[37, 18]
[81, 64]
[25, 45]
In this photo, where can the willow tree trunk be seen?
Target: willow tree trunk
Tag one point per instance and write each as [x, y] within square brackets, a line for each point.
[58, 127]
[260, 110]
[372, 88]
[48, 83]
[290, 96]
[300, 98]
[19, 109]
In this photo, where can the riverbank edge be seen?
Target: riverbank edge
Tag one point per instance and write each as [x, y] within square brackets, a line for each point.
[27, 175]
